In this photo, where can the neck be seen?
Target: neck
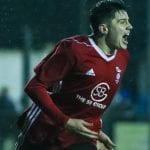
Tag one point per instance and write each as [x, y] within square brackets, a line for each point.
[101, 43]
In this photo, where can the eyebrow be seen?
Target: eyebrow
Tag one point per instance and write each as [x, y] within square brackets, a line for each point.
[123, 19]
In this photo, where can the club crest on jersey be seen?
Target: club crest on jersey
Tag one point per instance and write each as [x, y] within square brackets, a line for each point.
[99, 92]
[118, 72]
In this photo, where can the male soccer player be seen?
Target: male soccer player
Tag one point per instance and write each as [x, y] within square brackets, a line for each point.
[75, 84]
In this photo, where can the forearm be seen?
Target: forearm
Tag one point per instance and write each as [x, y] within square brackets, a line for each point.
[38, 93]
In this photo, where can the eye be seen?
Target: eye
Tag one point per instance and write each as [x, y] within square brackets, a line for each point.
[123, 22]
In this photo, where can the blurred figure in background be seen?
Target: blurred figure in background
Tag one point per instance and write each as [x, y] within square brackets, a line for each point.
[75, 84]
[8, 115]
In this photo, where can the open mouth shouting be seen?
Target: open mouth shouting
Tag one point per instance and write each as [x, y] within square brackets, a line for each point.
[125, 38]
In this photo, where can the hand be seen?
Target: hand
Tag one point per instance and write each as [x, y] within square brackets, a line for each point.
[100, 146]
[80, 127]
[103, 138]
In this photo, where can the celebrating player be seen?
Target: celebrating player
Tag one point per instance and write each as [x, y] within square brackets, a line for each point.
[75, 84]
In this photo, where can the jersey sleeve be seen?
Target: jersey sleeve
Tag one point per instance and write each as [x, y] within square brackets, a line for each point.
[57, 65]
[52, 69]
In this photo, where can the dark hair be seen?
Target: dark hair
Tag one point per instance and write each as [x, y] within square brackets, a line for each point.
[104, 10]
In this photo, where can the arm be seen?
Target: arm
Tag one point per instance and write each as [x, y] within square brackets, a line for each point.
[52, 69]
[38, 93]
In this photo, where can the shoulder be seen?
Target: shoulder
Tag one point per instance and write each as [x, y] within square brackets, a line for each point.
[76, 40]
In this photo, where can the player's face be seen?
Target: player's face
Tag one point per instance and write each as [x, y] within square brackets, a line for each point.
[118, 31]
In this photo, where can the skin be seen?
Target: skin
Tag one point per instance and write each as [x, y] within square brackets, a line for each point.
[80, 127]
[113, 32]
[111, 38]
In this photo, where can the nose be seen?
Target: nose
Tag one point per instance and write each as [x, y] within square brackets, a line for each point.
[130, 27]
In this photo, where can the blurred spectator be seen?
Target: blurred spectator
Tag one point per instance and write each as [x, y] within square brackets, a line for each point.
[8, 116]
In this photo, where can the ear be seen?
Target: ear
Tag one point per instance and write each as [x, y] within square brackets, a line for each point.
[103, 29]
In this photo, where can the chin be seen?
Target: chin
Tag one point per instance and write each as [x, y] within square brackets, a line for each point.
[123, 47]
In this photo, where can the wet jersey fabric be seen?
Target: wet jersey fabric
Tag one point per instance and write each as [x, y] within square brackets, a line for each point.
[76, 80]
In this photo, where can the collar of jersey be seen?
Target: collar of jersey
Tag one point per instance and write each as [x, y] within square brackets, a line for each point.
[101, 53]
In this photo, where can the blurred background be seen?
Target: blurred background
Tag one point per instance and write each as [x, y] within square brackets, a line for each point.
[28, 31]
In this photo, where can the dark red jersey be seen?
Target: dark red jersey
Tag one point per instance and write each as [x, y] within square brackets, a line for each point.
[76, 80]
